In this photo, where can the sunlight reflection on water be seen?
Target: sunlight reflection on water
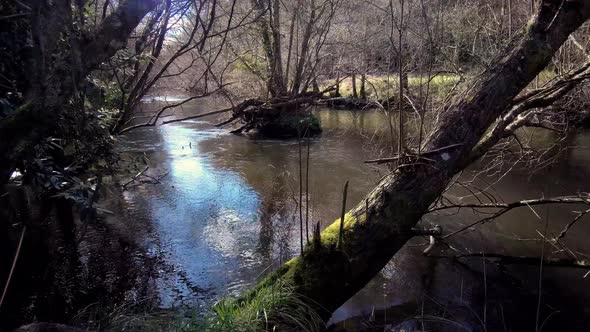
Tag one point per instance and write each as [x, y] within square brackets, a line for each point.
[220, 212]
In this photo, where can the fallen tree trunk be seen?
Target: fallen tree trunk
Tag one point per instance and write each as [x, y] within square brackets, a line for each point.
[382, 223]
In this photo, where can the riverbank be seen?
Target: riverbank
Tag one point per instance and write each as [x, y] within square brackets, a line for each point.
[227, 213]
[249, 227]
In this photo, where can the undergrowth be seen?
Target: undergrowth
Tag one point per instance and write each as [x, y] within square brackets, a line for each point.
[274, 308]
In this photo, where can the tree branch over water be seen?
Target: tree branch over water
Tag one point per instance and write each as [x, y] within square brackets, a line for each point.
[381, 224]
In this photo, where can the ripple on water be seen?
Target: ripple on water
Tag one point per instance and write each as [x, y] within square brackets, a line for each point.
[210, 216]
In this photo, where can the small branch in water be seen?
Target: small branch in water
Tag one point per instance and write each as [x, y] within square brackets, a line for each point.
[573, 222]
[502, 208]
[156, 180]
[135, 177]
[423, 156]
[526, 260]
[431, 244]
[156, 116]
[237, 110]
[340, 234]
[432, 233]
[225, 110]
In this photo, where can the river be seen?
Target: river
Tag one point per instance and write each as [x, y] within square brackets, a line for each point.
[228, 212]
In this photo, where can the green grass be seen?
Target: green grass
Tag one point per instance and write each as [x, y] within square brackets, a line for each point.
[382, 86]
[275, 307]
[379, 87]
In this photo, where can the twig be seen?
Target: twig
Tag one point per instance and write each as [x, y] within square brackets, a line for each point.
[225, 110]
[154, 119]
[431, 244]
[423, 155]
[529, 260]
[530, 202]
[568, 226]
[20, 243]
[135, 177]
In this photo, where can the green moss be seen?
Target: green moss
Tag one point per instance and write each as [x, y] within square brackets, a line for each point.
[330, 235]
[305, 275]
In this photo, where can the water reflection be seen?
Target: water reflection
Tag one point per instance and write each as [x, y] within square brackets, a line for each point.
[228, 210]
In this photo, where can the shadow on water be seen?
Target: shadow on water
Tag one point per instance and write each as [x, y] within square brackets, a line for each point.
[227, 213]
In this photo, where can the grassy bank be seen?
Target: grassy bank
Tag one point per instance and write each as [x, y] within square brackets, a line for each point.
[275, 307]
[383, 86]
[438, 86]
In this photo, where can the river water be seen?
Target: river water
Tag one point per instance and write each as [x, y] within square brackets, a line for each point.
[228, 212]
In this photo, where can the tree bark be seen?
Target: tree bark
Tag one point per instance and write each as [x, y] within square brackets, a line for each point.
[301, 62]
[56, 79]
[315, 86]
[277, 61]
[354, 93]
[382, 222]
[363, 91]
[136, 93]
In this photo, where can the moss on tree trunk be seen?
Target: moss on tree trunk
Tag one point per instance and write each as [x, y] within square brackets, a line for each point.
[381, 223]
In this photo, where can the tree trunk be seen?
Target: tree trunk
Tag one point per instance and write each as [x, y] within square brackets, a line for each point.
[337, 90]
[301, 62]
[382, 222]
[510, 18]
[354, 94]
[315, 86]
[139, 90]
[264, 25]
[277, 60]
[363, 89]
[56, 79]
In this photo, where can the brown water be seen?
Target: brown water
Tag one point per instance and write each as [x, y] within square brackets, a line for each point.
[228, 212]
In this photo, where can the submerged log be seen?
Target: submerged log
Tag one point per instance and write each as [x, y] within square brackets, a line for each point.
[382, 223]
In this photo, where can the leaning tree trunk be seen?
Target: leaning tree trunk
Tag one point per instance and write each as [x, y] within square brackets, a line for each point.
[328, 273]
